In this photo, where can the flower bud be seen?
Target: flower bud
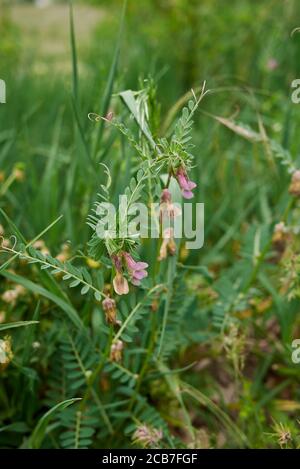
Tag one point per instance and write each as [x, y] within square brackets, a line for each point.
[116, 351]
[294, 188]
[120, 284]
[110, 310]
[146, 436]
[168, 245]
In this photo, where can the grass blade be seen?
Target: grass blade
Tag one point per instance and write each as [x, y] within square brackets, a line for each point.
[13, 325]
[110, 81]
[37, 289]
[40, 430]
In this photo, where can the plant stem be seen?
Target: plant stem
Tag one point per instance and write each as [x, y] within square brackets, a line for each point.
[171, 274]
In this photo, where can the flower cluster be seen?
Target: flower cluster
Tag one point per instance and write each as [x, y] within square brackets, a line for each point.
[146, 436]
[168, 211]
[135, 270]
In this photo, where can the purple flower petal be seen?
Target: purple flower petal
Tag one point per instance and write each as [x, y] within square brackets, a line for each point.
[131, 264]
[141, 266]
[140, 274]
[187, 194]
[136, 270]
[185, 184]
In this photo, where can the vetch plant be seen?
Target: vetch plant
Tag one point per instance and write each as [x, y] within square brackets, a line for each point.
[157, 156]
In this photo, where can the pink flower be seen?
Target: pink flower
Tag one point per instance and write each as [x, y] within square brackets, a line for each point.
[166, 196]
[167, 208]
[146, 436]
[119, 282]
[136, 270]
[185, 184]
[168, 245]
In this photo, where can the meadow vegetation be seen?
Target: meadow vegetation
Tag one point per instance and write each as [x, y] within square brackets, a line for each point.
[198, 353]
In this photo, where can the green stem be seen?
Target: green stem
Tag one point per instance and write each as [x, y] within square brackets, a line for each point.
[53, 266]
[129, 318]
[171, 273]
[6, 185]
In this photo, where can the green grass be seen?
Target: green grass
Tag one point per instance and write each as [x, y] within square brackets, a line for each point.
[208, 337]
